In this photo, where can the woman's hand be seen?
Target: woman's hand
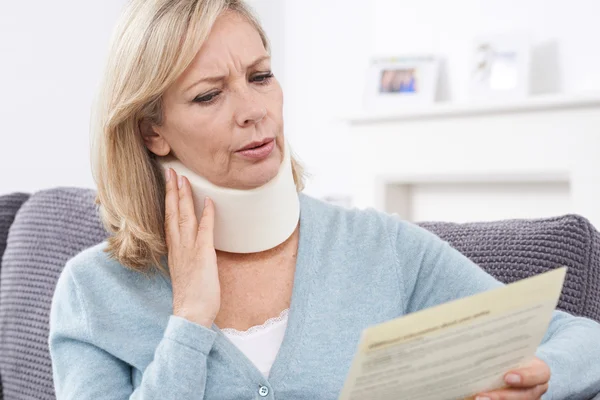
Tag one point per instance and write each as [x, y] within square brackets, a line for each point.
[191, 254]
[529, 382]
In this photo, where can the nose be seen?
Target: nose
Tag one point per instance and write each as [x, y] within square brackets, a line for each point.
[249, 110]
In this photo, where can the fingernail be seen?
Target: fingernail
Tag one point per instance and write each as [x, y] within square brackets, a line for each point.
[482, 398]
[168, 174]
[179, 181]
[512, 378]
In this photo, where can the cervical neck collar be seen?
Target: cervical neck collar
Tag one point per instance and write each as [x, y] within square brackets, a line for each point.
[247, 221]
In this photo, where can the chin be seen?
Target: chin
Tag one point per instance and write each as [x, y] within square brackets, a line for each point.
[259, 174]
[264, 173]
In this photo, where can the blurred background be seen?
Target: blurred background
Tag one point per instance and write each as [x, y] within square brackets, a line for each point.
[466, 110]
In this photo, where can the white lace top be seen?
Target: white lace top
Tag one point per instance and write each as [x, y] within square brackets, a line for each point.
[261, 343]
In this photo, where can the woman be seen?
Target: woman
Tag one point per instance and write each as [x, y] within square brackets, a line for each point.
[164, 309]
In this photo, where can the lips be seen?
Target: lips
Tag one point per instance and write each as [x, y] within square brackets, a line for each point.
[258, 150]
[256, 144]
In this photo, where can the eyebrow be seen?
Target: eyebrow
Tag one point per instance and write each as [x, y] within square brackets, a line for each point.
[219, 78]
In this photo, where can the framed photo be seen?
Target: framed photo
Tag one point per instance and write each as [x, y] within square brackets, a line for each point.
[500, 67]
[394, 82]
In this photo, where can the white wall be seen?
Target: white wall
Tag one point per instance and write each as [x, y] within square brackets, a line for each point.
[564, 30]
[328, 43]
[51, 60]
[324, 56]
[52, 54]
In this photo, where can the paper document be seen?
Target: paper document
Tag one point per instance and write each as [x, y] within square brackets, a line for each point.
[458, 349]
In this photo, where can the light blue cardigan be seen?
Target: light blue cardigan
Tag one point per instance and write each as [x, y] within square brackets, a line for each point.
[112, 334]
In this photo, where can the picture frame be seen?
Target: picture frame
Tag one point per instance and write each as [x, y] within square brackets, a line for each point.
[500, 67]
[398, 81]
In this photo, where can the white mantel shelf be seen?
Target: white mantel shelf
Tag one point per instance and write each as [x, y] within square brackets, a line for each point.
[450, 110]
[476, 177]
[537, 157]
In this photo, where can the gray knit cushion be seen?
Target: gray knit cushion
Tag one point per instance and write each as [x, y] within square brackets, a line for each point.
[9, 205]
[515, 249]
[51, 227]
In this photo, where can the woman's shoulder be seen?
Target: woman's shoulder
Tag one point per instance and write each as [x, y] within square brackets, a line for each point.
[365, 245]
[96, 263]
[89, 259]
[104, 303]
[93, 273]
[332, 220]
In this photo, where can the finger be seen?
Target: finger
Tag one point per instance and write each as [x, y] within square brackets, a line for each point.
[188, 224]
[541, 389]
[171, 208]
[533, 393]
[537, 373]
[207, 224]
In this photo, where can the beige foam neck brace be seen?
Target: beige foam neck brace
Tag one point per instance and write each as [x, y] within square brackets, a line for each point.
[247, 221]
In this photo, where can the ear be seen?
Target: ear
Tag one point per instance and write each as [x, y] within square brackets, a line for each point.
[153, 140]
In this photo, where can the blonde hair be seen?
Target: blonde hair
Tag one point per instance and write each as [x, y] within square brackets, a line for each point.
[152, 45]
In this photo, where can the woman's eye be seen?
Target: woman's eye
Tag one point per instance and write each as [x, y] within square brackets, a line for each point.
[206, 99]
[263, 79]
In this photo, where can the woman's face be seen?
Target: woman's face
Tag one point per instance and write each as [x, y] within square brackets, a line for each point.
[223, 118]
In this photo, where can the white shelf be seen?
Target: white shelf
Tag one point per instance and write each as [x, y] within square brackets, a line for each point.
[450, 110]
[514, 177]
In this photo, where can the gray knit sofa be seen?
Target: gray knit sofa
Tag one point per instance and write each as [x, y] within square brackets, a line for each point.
[39, 232]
